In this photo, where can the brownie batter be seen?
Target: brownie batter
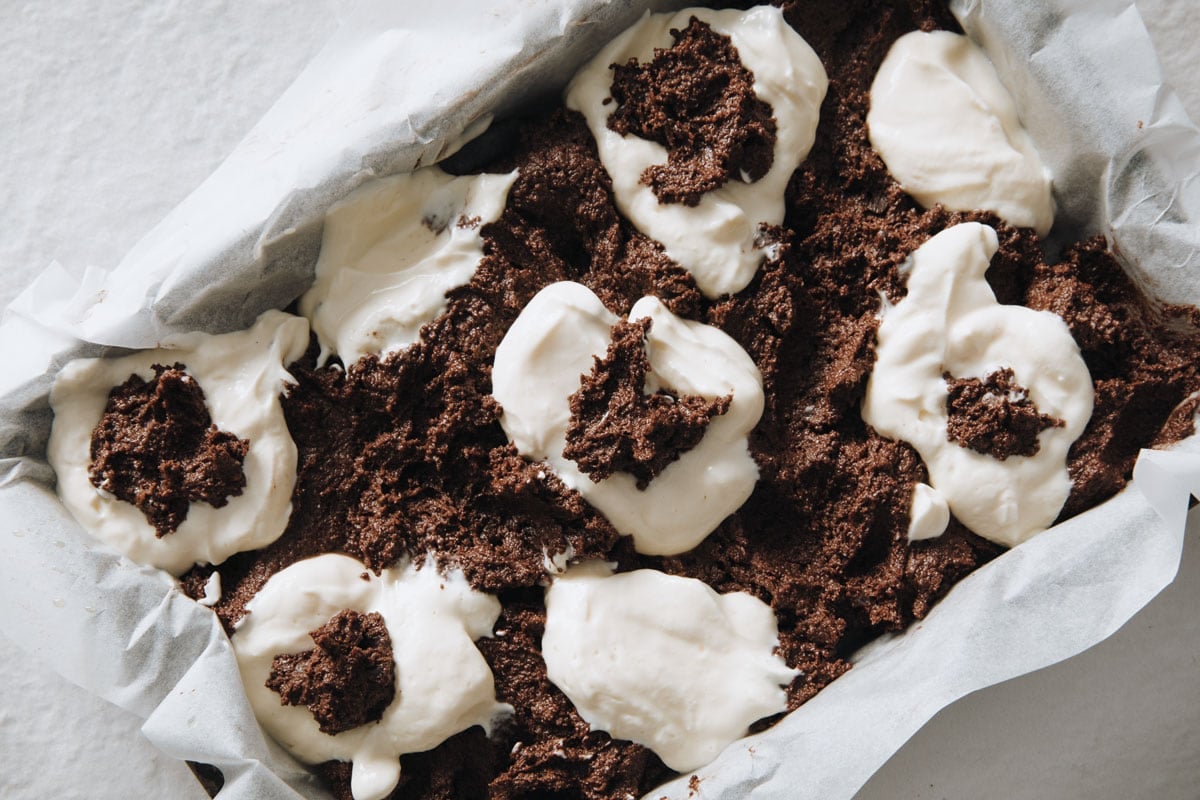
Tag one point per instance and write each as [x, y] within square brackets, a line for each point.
[616, 427]
[696, 99]
[406, 455]
[994, 416]
[347, 680]
[1144, 360]
[156, 447]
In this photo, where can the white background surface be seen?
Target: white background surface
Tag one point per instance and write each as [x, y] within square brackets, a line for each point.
[111, 112]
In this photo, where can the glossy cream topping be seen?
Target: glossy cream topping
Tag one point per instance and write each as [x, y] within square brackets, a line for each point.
[662, 660]
[212, 591]
[443, 683]
[553, 344]
[928, 515]
[242, 375]
[390, 252]
[716, 239]
[950, 322]
[949, 133]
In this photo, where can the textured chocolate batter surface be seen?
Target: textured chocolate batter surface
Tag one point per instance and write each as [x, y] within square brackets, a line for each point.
[347, 680]
[407, 456]
[617, 427]
[156, 447]
[994, 416]
[696, 99]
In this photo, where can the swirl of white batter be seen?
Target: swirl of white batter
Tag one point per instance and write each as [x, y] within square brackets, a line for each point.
[443, 683]
[950, 322]
[538, 367]
[242, 375]
[390, 252]
[717, 241]
[663, 660]
[949, 133]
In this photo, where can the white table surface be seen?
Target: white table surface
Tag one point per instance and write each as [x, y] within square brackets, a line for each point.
[112, 111]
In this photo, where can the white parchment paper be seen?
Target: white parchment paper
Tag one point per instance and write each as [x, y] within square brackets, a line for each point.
[398, 87]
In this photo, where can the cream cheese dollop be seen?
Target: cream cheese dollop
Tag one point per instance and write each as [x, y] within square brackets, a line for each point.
[443, 683]
[242, 375]
[948, 131]
[718, 240]
[928, 515]
[539, 364]
[212, 591]
[389, 253]
[950, 322]
[662, 660]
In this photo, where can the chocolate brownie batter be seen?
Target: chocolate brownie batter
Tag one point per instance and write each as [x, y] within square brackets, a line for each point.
[994, 416]
[347, 680]
[157, 448]
[407, 456]
[696, 99]
[617, 427]
[1144, 360]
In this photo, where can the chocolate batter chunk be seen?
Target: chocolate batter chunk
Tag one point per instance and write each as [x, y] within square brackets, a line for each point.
[347, 680]
[696, 99]
[994, 416]
[617, 427]
[157, 448]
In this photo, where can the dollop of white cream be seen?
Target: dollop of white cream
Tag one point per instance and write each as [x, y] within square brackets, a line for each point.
[716, 240]
[553, 344]
[212, 591]
[663, 661]
[389, 253]
[443, 683]
[949, 133]
[242, 375]
[928, 515]
[950, 322]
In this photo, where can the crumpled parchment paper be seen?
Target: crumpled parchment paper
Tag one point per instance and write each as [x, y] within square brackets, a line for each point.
[383, 97]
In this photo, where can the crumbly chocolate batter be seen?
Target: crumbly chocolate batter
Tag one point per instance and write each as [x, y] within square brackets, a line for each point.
[156, 447]
[1144, 360]
[407, 456]
[347, 680]
[994, 416]
[696, 99]
[617, 427]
